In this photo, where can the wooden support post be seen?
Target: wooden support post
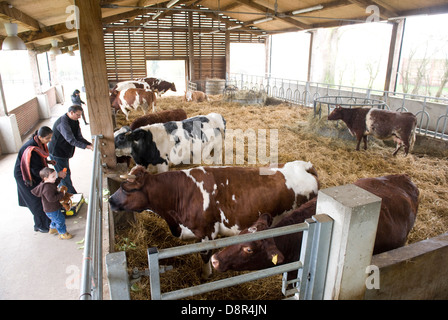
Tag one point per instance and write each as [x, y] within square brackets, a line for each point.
[310, 56]
[93, 58]
[227, 51]
[355, 212]
[394, 55]
[190, 47]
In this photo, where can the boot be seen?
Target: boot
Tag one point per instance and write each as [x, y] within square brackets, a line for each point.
[65, 236]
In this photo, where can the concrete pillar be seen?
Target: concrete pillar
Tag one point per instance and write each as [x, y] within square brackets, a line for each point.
[10, 139]
[355, 212]
[44, 106]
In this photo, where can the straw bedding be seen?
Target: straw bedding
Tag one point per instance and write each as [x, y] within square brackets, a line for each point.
[335, 160]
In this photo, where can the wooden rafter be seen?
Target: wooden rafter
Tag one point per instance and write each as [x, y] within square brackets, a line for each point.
[384, 12]
[263, 8]
[9, 12]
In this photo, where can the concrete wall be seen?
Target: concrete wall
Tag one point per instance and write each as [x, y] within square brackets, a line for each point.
[416, 271]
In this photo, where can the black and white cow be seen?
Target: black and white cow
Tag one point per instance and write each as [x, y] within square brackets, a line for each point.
[176, 142]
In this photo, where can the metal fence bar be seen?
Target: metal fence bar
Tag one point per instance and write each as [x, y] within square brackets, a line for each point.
[219, 243]
[313, 285]
[92, 271]
[313, 248]
[309, 99]
[224, 283]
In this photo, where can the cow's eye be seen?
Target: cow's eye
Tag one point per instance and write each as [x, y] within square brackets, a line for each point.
[248, 250]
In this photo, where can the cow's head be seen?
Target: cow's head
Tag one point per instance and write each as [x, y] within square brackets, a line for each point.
[173, 87]
[132, 194]
[123, 145]
[337, 113]
[250, 255]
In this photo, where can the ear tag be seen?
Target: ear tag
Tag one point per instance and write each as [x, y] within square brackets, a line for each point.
[274, 259]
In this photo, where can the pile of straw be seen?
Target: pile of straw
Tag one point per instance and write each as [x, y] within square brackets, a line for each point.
[336, 162]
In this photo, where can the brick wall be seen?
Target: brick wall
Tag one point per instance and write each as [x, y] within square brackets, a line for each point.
[27, 116]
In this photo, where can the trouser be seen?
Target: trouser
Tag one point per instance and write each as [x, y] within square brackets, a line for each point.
[33, 203]
[57, 221]
[62, 163]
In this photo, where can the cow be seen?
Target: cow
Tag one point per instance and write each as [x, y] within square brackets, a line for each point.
[158, 85]
[175, 142]
[132, 98]
[381, 124]
[397, 216]
[195, 96]
[124, 155]
[120, 86]
[204, 202]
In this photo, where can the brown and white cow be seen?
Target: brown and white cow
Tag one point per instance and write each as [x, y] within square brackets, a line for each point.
[205, 202]
[381, 124]
[120, 86]
[132, 98]
[397, 216]
[195, 96]
[158, 85]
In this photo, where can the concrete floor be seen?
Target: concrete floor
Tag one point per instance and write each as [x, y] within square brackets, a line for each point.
[34, 265]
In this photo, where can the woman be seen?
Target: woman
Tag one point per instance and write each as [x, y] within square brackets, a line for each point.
[32, 157]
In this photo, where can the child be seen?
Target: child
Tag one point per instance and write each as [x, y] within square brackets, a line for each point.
[48, 191]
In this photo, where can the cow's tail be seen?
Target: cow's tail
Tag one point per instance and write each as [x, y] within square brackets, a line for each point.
[413, 137]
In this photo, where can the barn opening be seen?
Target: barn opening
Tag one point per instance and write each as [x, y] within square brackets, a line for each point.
[169, 70]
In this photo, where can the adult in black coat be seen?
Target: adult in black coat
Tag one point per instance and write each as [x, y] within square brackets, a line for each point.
[32, 158]
[76, 100]
[67, 136]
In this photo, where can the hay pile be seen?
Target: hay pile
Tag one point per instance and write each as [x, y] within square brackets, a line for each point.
[336, 162]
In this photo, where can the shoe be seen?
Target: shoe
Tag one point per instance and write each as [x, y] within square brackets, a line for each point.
[53, 231]
[41, 230]
[65, 236]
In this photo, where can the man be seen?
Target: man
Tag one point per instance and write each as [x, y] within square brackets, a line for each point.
[66, 137]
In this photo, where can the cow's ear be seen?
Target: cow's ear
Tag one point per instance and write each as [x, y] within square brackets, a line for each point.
[263, 222]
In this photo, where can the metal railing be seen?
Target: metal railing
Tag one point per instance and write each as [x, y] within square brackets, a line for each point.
[312, 265]
[92, 266]
[431, 112]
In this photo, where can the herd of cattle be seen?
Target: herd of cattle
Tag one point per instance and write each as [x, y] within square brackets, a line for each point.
[207, 201]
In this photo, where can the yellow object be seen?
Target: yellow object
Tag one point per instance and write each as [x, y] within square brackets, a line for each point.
[77, 201]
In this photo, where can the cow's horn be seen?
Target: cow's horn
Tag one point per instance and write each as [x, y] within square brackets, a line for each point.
[252, 229]
[127, 176]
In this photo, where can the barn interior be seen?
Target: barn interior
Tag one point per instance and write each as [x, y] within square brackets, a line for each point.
[117, 38]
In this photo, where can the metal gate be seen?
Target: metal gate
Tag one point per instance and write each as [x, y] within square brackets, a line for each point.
[312, 266]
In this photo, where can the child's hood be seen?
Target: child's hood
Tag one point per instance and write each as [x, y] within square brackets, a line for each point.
[39, 190]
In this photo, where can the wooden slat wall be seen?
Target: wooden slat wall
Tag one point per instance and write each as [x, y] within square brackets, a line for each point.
[167, 38]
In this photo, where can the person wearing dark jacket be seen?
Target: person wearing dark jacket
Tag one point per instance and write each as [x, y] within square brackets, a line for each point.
[66, 137]
[76, 100]
[32, 158]
[48, 191]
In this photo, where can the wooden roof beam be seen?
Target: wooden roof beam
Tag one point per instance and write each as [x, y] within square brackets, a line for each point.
[384, 12]
[10, 13]
[263, 8]
[45, 32]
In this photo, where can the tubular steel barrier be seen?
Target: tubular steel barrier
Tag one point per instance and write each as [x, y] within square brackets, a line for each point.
[92, 268]
[312, 265]
[431, 112]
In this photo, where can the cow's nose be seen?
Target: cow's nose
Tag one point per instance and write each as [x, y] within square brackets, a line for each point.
[215, 262]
